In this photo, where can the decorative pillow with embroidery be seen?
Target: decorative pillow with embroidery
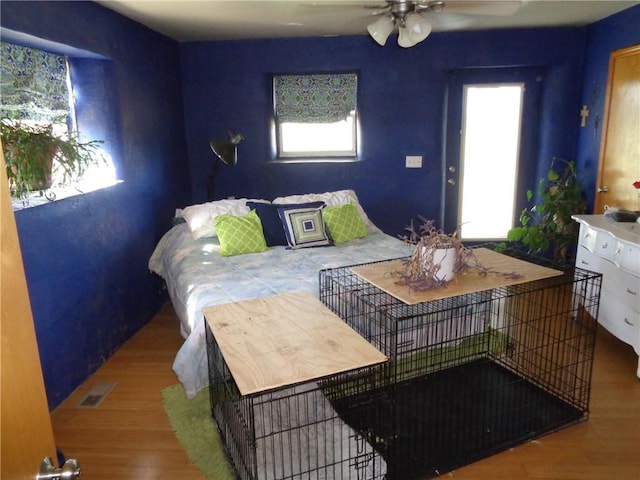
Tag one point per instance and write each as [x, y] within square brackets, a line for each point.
[304, 227]
[240, 234]
[344, 223]
[271, 222]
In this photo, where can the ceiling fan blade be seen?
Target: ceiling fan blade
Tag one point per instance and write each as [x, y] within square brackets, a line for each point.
[498, 8]
[343, 4]
[328, 8]
[451, 21]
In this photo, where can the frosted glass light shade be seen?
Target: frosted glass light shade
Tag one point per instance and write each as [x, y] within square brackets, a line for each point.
[381, 29]
[418, 27]
[404, 38]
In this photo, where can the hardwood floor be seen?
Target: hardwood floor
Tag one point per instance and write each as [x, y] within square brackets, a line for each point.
[128, 435]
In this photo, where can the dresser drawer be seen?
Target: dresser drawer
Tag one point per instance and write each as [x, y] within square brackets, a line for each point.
[586, 259]
[621, 320]
[627, 256]
[619, 284]
[587, 238]
[605, 245]
[625, 287]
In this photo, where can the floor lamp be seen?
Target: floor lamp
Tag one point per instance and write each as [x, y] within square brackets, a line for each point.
[226, 153]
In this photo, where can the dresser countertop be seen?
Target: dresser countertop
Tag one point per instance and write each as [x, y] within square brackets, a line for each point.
[623, 231]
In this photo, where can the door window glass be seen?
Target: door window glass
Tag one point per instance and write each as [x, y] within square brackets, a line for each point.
[489, 158]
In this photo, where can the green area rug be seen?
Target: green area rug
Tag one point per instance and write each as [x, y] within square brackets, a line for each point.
[196, 431]
[199, 436]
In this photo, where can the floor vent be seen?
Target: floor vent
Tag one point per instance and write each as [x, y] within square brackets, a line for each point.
[96, 395]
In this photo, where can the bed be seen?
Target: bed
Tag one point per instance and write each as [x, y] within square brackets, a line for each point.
[188, 257]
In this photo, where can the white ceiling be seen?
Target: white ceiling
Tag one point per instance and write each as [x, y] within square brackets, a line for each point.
[203, 20]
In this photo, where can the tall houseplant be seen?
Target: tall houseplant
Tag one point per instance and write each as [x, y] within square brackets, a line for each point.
[29, 151]
[546, 228]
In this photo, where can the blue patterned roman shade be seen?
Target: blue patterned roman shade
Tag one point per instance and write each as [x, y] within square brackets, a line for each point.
[33, 84]
[316, 98]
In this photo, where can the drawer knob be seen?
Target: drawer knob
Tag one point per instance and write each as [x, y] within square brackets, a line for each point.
[604, 245]
[631, 291]
[628, 322]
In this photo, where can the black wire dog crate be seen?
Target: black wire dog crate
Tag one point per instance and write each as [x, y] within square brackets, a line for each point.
[468, 375]
[293, 431]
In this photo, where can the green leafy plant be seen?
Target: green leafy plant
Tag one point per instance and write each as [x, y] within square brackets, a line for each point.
[29, 151]
[547, 229]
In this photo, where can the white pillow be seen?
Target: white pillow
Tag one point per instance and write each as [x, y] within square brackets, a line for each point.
[201, 218]
[332, 199]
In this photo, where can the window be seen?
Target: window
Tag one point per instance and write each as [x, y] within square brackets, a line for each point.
[490, 151]
[36, 90]
[316, 116]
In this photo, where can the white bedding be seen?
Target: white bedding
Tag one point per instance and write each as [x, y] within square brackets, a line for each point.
[197, 276]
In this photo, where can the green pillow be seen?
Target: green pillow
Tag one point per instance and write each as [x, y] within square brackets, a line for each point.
[240, 234]
[344, 223]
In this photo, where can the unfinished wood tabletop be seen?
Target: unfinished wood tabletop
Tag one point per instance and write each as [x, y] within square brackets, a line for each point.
[503, 271]
[285, 339]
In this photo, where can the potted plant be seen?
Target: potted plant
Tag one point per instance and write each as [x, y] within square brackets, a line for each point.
[29, 151]
[436, 258]
[547, 229]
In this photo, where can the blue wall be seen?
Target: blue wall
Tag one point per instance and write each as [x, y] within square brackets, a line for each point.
[86, 257]
[613, 33]
[402, 93]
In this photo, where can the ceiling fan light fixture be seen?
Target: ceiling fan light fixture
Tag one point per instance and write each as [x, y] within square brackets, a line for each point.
[381, 29]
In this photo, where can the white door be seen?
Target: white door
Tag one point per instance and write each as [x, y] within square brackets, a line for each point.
[490, 150]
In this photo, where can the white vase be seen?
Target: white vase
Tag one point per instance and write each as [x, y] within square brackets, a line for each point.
[446, 258]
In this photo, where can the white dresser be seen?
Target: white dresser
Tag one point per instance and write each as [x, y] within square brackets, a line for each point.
[613, 249]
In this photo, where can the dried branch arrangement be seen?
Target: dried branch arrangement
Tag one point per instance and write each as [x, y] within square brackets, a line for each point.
[423, 270]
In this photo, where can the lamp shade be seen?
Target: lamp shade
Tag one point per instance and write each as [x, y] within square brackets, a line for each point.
[226, 151]
[418, 27]
[404, 38]
[381, 29]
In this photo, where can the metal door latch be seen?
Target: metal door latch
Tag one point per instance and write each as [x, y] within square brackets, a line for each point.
[48, 471]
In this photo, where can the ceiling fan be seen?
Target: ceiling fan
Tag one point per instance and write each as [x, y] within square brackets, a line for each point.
[412, 17]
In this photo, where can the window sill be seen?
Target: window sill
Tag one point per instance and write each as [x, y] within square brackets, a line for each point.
[36, 199]
[284, 160]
